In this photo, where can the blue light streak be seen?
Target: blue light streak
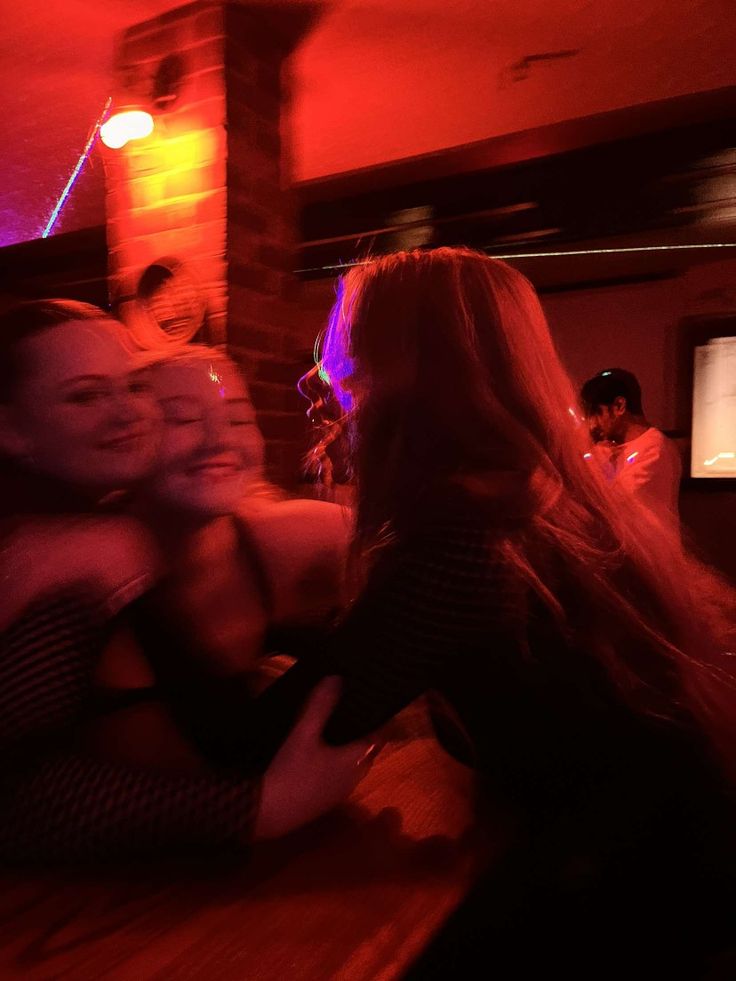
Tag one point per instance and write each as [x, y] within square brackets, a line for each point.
[84, 156]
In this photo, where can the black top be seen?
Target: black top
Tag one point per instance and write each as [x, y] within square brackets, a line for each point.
[56, 803]
[446, 612]
[23, 493]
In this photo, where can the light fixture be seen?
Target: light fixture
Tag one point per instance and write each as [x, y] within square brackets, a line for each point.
[160, 93]
[126, 125]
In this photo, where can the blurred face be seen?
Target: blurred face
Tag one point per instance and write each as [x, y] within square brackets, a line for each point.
[315, 388]
[607, 422]
[337, 371]
[82, 413]
[211, 444]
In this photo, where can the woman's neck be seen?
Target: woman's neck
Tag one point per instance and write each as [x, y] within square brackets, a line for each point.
[185, 536]
[635, 428]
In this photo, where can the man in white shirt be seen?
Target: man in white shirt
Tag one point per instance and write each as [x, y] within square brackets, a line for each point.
[635, 454]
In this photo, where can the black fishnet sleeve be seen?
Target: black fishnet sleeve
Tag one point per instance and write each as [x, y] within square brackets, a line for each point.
[56, 804]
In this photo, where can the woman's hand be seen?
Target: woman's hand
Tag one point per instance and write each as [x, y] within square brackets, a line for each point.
[307, 777]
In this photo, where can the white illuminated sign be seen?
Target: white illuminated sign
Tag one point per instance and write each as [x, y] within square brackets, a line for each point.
[714, 409]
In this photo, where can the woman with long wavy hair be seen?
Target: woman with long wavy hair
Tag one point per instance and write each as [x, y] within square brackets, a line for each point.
[581, 657]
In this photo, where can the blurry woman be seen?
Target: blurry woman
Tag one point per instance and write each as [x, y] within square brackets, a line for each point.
[77, 427]
[579, 656]
[239, 559]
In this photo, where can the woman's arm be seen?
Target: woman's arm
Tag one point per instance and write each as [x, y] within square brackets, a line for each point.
[212, 711]
[420, 613]
[426, 603]
[58, 805]
[55, 802]
[70, 808]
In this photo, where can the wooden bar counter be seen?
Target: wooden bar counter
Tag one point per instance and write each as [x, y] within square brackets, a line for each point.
[353, 897]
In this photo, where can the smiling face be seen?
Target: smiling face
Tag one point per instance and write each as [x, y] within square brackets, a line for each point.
[211, 445]
[81, 412]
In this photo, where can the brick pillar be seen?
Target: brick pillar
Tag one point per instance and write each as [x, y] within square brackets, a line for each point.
[204, 199]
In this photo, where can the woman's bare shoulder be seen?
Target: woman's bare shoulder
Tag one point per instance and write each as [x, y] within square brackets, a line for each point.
[300, 521]
[304, 545]
[113, 556]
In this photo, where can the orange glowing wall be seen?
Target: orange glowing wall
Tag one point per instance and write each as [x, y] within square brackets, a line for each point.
[166, 195]
[208, 188]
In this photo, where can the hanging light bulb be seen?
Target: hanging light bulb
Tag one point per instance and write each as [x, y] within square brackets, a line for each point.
[129, 124]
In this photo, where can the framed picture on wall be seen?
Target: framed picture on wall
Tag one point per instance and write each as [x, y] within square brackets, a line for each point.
[709, 353]
[713, 451]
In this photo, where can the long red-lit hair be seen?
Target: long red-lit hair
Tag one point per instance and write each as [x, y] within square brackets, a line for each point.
[446, 369]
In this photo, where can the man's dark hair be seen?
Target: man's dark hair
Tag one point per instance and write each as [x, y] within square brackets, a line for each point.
[605, 387]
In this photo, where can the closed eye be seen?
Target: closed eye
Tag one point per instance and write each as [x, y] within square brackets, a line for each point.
[138, 387]
[85, 397]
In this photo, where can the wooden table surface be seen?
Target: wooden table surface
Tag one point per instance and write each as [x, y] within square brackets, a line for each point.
[354, 897]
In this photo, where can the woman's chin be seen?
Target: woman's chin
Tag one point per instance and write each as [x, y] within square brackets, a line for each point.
[209, 505]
